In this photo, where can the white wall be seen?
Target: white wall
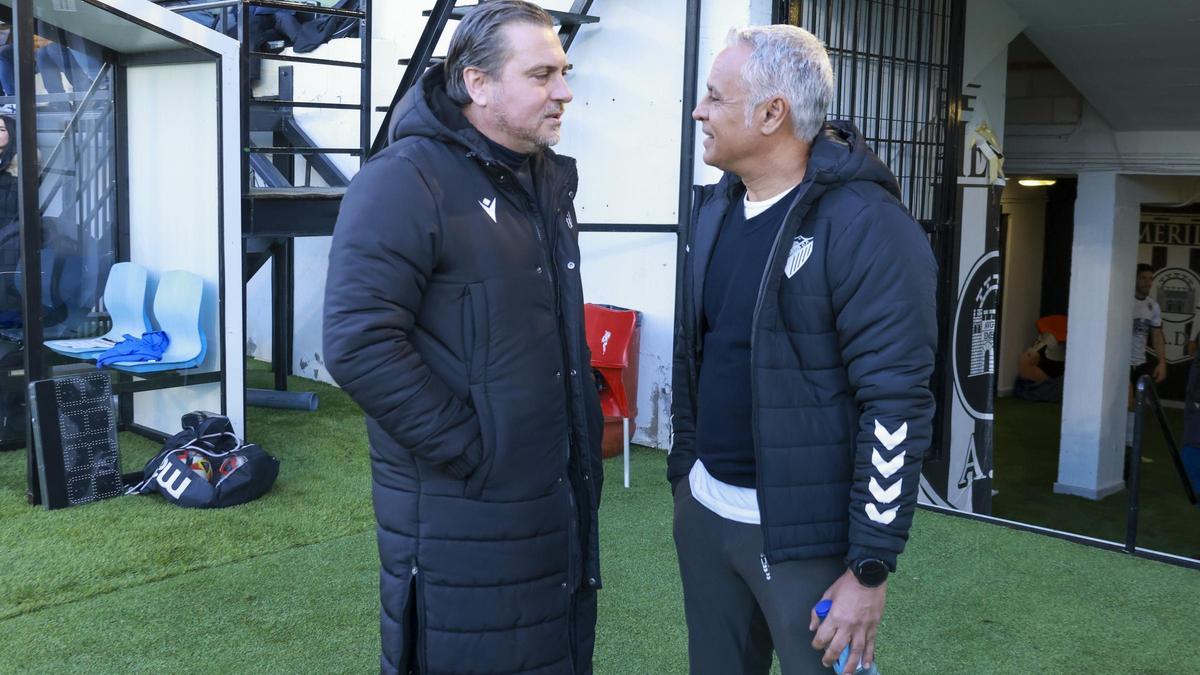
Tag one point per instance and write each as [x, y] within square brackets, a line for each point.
[716, 18]
[175, 209]
[623, 129]
[1021, 278]
[990, 26]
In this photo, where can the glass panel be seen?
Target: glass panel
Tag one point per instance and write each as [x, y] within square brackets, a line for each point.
[12, 407]
[76, 123]
[77, 180]
[128, 162]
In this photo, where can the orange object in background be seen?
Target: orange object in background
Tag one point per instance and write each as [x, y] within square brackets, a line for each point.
[1056, 325]
[613, 336]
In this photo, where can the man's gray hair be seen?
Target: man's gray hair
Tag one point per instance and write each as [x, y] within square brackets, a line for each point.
[791, 63]
[479, 42]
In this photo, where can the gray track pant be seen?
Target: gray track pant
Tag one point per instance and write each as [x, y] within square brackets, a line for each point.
[738, 608]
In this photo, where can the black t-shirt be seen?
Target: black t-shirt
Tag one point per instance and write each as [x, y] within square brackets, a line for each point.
[724, 437]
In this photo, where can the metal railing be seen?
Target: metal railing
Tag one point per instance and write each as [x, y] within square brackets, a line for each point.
[229, 16]
[80, 170]
[1146, 396]
[249, 54]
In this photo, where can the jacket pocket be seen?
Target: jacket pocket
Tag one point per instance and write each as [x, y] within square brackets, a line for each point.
[475, 332]
[487, 437]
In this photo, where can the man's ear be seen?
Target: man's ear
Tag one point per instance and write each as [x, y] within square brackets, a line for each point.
[476, 82]
[774, 115]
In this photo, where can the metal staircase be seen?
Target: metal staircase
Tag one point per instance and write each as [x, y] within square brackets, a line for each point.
[280, 203]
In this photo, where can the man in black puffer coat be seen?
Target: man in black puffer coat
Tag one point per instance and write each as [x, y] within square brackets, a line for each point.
[454, 317]
[801, 405]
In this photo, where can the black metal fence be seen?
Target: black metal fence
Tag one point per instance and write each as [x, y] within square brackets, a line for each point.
[894, 63]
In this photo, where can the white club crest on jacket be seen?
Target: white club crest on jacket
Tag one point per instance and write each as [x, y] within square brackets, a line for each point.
[801, 249]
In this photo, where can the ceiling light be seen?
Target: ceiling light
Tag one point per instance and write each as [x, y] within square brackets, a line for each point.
[1037, 182]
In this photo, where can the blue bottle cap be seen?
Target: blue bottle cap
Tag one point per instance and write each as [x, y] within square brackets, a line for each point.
[822, 608]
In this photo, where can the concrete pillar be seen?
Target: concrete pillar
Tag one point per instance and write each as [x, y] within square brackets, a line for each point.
[1103, 262]
[1021, 278]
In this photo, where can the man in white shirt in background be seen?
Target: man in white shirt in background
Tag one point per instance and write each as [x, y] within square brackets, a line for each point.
[1147, 325]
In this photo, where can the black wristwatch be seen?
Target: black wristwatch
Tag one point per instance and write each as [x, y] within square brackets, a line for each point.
[870, 572]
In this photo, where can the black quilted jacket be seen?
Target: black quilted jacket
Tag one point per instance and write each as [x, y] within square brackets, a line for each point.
[454, 317]
[842, 350]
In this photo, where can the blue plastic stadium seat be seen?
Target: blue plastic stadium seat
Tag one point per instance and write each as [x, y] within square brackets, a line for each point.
[177, 311]
[125, 299]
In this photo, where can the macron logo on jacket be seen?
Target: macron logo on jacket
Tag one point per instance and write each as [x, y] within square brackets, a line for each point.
[489, 207]
[886, 469]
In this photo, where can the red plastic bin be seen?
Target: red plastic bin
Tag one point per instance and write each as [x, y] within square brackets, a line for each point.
[613, 336]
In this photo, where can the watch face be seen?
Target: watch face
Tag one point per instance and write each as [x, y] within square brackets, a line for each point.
[871, 572]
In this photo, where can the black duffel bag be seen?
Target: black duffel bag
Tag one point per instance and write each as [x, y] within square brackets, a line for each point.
[207, 466]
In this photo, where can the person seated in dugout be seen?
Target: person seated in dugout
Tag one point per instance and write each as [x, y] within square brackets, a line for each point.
[1040, 370]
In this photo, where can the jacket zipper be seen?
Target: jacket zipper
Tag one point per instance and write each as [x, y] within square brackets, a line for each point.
[694, 299]
[762, 287]
[550, 261]
[419, 599]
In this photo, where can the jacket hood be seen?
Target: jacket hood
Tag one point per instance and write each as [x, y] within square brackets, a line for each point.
[427, 111]
[840, 155]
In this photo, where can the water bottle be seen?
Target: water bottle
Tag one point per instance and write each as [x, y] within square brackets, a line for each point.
[822, 610]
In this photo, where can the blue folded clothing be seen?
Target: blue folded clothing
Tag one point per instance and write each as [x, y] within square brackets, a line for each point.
[148, 348]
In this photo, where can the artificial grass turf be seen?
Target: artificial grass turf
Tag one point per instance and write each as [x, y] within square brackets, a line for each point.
[969, 597]
[1026, 463]
[323, 492]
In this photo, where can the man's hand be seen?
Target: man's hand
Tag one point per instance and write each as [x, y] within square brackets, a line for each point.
[1160, 371]
[853, 620]
[1191, 348]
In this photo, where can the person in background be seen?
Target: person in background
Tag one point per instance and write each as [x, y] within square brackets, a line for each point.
[1147, 328]
[1040, 371]
[8, 170]
[74, 61]
[8, 77]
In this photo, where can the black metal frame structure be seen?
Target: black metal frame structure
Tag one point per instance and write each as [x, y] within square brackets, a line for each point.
[36, 364]
[1146, 397]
